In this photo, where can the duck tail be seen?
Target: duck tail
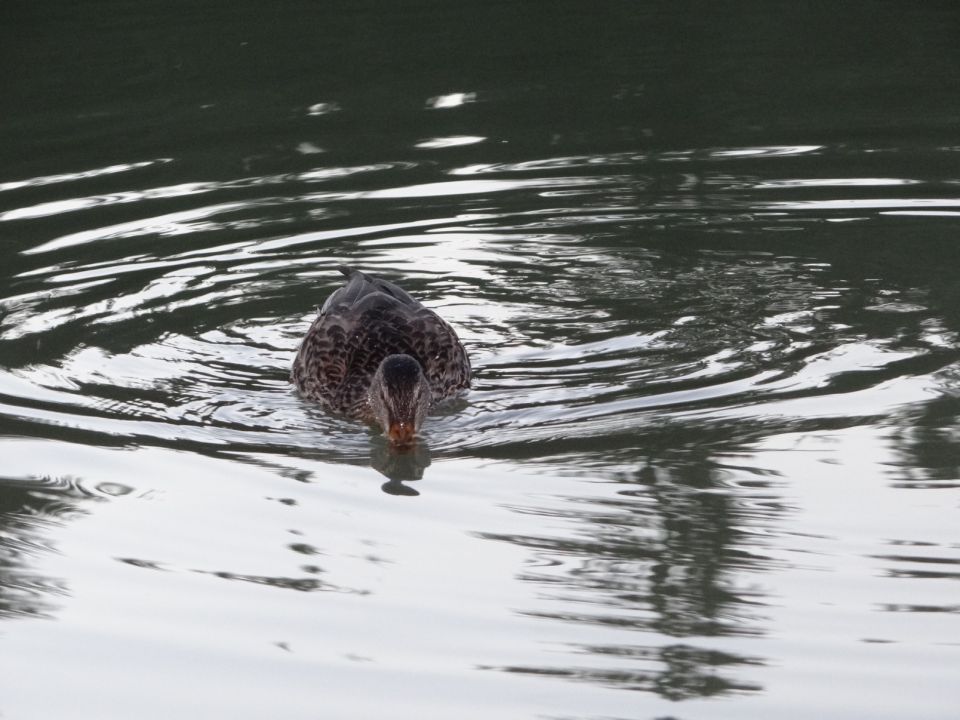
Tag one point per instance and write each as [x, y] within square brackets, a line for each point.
[359, 285]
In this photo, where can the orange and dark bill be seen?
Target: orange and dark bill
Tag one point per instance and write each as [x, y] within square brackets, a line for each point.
[401, 433]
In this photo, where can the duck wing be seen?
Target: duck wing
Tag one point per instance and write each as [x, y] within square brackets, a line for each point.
[359, 325]
[359, 285]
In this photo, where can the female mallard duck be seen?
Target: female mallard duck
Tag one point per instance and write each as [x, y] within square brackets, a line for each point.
[376, 354]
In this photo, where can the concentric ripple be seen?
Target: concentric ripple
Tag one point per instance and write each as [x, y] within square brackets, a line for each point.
[176, 319]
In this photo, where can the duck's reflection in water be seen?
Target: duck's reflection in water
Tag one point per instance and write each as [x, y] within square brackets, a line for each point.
[399, 466]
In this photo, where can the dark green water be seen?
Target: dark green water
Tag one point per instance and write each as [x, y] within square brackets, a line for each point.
[703, 256]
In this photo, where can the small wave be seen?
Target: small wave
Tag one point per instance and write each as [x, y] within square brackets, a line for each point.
[136, 333]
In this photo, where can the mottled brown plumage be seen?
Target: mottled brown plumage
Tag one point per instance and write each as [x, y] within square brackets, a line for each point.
[349, 361]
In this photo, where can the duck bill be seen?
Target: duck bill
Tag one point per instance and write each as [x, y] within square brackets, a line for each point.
[401, 433]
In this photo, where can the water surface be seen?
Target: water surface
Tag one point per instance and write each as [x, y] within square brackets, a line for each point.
[705, 267]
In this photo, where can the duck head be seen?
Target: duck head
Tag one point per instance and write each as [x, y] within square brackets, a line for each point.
[399, 397]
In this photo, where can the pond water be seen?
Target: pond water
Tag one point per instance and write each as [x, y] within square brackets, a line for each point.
[705, 265]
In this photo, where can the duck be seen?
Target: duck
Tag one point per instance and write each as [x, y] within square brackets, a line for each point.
[376, 354]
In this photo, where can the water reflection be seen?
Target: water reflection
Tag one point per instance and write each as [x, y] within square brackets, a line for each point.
[605, 335]
[929, 440]
[399, 466]
[28, 510]
[451, 100]
[82, 175]
[708, 276]
[450, 141]
[667, 557]
[323, 108]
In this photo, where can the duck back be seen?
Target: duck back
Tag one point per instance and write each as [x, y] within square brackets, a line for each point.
[360, 324]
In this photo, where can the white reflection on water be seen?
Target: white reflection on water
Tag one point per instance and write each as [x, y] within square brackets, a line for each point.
[438, 143]
[309, 148]
[771, 151]
[451, 100]
[82, 175]
[64, 206]
[323, 108]
[864, 204]
[789, 183]
[475, 187]
[924, 213]
[175, 223]
[623, 579]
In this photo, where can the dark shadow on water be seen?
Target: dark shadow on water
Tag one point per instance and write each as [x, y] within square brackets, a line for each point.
[667, 556]
[28, 509]
[399, 466]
